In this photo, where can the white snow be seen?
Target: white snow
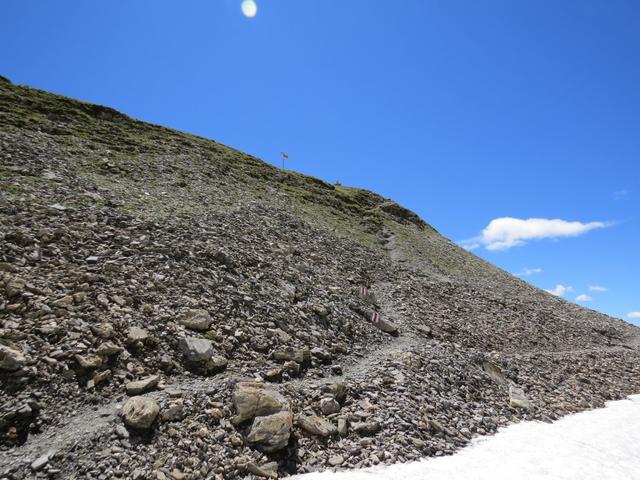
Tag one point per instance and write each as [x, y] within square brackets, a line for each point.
[600, 444]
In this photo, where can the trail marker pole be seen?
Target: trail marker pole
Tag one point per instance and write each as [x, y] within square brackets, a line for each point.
[284, 156]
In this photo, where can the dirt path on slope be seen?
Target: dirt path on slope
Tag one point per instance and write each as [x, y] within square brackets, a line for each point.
[91, 421]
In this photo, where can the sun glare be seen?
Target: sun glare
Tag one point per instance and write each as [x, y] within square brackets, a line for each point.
[249, 8]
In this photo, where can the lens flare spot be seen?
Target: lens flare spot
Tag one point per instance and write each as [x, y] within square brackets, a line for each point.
[249, 8]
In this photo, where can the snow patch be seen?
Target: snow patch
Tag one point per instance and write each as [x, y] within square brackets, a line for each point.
[598, 444]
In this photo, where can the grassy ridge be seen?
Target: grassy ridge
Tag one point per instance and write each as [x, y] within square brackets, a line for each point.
[163, 174]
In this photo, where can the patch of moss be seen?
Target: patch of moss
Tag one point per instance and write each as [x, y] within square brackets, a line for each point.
[14, 189]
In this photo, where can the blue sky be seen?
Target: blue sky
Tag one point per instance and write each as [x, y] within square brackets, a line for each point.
[466, 111]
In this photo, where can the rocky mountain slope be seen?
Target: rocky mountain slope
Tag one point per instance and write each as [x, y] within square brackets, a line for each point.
[171, 308]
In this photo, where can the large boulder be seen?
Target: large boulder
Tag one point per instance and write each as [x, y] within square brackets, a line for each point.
[140, 412]
[255, 399]
[201, 356]
[271, 433]
[197, 320]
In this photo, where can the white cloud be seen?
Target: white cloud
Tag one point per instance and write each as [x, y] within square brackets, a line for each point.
[528, 271]
[597, 288]
[633, 315]
[560, 290]
[506, 232]
[583, 298]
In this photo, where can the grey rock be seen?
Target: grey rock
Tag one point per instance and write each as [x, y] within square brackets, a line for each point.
[102, 377]
[136, 334]
[140, 412]
[199, 320]
[300, 356]
[143, 385]
[39, 463]
[109, 349]
[173, 411]
[15, 288]
[200, 355]
[329, 406]
[494, 372]
[196, 349]
[292, 368]
[271, 433]
[366, 428]
[11, 359]
[252, 399]
[89, 362]
[343, 427]
[517, 398]
[268, 470]
[316, 425]
[103, 330]
[173, 392]
[338, 390]
[273, 375]
[424, 329]
[121, 432]
[7, 267]
[322, 355]
[381, 324]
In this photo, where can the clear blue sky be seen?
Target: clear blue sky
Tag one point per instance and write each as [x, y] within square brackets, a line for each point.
[463, 110]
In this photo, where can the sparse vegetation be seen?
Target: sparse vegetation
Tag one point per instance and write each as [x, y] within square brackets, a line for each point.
[134, 257]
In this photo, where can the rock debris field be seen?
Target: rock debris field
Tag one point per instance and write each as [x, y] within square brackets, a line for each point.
[171, 308]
